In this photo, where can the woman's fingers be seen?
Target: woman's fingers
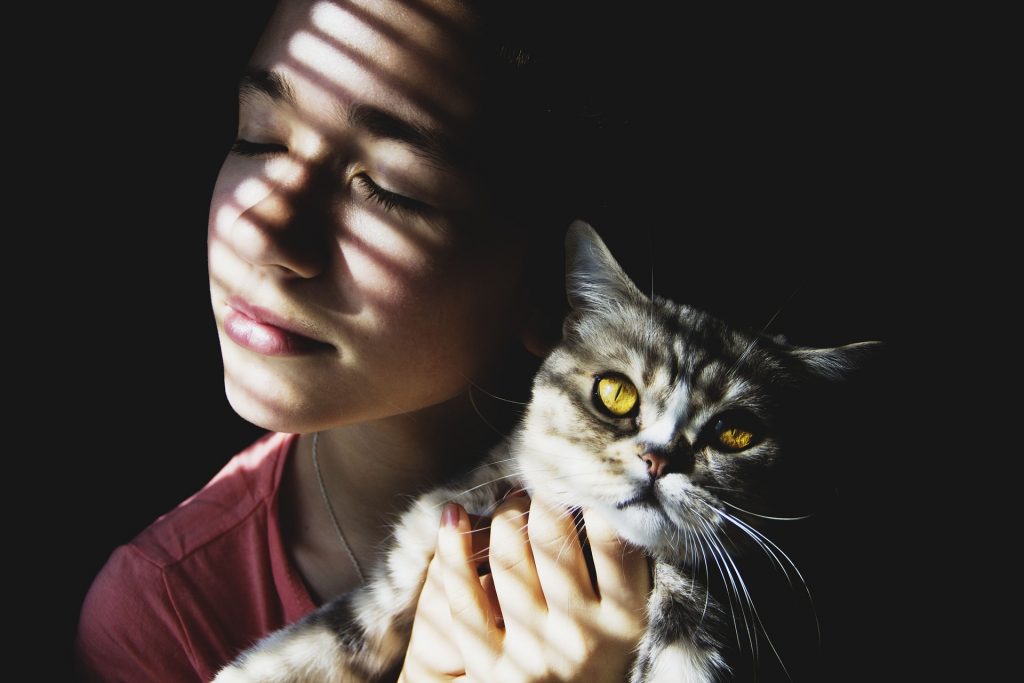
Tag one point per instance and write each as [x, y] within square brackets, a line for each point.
[432, 655]
[512, 568]
[474, 625]
[558, 555]
[622, 571]
[556, 625]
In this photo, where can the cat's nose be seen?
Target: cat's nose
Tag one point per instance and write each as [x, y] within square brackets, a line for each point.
[657, 463]
[661, 460]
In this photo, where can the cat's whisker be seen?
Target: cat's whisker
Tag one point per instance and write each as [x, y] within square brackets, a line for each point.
[726, 582]
[752, 610]
[479, 414]
[774, 519]
[760, 623]
[761, 544]
[504, 477]
[474, 385]
[735, 580]
[489, 464]
[707, 578]
[755, 533]
[763, 540]
[760, 539]
[720, 488]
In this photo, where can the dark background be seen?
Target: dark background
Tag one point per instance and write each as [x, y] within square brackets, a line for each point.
[766, 170]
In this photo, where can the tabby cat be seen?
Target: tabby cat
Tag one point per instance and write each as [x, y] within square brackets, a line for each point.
[669, 422]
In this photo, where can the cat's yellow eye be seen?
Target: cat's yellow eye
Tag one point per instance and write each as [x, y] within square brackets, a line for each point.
[735, 439]
[732, 431]
[616, 395]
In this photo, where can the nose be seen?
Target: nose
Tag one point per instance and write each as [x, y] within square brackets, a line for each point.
[661, 460]
[657, 463]
[280, 231]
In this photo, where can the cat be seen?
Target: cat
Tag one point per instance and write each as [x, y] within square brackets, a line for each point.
[689, 423]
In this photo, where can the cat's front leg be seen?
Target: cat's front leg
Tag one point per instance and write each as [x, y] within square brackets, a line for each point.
[358, 636]
[331, 644]
[679, 644]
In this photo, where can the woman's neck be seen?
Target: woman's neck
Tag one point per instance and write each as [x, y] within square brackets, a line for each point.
[369, 471]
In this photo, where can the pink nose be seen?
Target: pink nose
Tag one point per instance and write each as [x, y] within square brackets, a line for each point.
[657, 464]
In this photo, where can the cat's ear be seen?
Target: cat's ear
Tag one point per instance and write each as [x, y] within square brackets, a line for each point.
[839, 362]
[593, 278]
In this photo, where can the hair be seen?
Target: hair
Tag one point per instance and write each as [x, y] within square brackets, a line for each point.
[549, 135]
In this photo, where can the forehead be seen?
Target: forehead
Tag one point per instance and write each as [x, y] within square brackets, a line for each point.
[410, 58]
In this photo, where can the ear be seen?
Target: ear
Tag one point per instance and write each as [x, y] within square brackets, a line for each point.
[839, 362]
[593, 278]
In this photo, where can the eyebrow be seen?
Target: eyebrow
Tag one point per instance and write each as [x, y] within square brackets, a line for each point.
[426, 142]
[270, 83]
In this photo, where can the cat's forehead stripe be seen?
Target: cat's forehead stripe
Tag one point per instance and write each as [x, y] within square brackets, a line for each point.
[660, 347]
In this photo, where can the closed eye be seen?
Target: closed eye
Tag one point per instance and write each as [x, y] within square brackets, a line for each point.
[247, 148]
[391, 201]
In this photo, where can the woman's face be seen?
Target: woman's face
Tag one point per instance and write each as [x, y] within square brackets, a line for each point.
[346, 280]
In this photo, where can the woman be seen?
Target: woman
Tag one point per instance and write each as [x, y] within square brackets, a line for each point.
[374, 248]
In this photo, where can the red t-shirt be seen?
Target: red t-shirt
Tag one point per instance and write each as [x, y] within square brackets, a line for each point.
[202, 583]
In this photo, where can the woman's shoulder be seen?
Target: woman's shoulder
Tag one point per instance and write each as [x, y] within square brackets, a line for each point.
[245, 486]
[214, 560]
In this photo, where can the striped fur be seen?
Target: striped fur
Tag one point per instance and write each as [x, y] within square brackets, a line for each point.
[690, 369]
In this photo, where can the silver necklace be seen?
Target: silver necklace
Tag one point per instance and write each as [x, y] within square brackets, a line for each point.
[330, 510]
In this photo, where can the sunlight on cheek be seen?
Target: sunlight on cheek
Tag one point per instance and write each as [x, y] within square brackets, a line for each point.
[385, 262]
[375, 281]
[225, 218]
[391, 240]
[251, 192]
[224, 262]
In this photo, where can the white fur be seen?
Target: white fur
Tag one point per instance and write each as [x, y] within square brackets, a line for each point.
[662, 430]
[311, 654]
[681, 662]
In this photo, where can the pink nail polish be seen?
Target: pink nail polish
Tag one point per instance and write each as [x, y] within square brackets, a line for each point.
[450, 515]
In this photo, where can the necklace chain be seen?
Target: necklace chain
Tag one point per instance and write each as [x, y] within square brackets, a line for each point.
[330, 510]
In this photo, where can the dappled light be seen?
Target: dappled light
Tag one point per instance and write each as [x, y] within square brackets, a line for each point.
[345, 208]
[345, 212]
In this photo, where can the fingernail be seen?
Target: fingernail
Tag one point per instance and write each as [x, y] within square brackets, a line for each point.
[450, 516]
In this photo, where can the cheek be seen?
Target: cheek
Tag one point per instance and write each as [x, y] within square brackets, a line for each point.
[571, 456]
[416, 278]
[390, 266]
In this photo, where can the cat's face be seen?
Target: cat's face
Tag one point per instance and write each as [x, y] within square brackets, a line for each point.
[664, 418]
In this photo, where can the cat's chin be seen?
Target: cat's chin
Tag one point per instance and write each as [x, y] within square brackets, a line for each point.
[645, 525]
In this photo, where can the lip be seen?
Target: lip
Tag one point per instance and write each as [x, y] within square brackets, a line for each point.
[267, 333]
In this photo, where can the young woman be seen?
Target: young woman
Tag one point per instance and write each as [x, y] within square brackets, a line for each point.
[375, 243]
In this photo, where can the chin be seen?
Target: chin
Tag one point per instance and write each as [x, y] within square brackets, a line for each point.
[267, 396]
[259, 412]
[270, 405]
[641, 525]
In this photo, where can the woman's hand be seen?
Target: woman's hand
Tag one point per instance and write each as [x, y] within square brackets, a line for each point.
[537, 616]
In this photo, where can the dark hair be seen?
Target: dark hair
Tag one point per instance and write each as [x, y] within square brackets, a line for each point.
[550, 133]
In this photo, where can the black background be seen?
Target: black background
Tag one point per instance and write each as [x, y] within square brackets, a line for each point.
[770, 170]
